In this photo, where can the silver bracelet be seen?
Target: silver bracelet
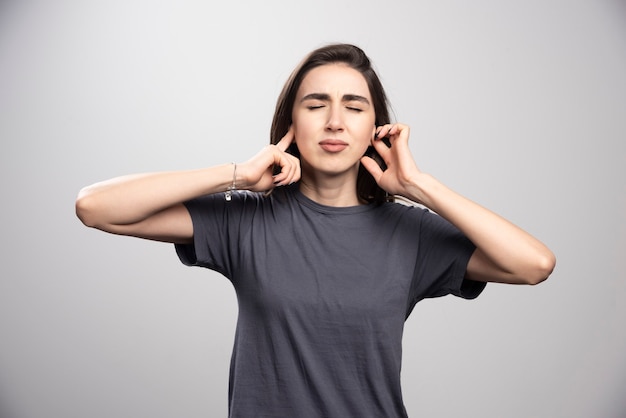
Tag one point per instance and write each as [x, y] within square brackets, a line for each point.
[228, 195]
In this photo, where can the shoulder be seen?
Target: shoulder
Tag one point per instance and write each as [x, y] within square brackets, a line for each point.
[238, 198]
[242, 201]
[408, 211]
[216, 207]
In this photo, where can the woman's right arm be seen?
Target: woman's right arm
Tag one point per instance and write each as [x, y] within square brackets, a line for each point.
[151, 205]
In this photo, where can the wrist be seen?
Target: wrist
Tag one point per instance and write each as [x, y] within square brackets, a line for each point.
[216, 179]
[424, 188]
[233, 185]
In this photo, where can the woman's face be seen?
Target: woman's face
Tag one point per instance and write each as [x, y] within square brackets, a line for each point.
[333, 119]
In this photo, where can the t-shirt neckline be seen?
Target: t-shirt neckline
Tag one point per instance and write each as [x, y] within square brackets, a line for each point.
[318, 207]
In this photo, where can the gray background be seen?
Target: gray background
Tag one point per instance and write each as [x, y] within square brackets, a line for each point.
[517, 105]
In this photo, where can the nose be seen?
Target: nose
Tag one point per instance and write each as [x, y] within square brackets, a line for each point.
[335, 119]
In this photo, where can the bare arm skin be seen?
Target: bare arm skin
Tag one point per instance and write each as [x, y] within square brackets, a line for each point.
[504, 252]
[151, 205]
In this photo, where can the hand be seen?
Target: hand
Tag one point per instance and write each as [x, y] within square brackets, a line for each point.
[504, 252]
[402, 173]
[257, 174]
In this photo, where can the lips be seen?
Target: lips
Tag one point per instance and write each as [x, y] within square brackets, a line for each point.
[333, 145]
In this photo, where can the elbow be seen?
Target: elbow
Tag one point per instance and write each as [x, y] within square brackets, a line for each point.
[85, 208]
[541, 270]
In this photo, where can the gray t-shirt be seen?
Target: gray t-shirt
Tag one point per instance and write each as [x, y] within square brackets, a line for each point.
[323, 294]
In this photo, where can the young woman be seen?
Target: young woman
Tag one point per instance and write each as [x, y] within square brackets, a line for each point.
[325, 266]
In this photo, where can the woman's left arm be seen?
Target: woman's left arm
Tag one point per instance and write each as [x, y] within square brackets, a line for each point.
[504, 252]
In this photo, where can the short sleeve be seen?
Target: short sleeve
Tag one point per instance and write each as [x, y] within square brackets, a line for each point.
[216, 226]
[443, 255]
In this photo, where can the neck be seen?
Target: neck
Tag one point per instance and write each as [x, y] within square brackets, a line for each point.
[337, 190]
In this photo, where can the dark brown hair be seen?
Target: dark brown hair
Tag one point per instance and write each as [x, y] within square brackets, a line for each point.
[354, 57]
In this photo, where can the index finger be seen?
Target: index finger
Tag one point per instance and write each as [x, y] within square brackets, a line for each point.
[286, 140]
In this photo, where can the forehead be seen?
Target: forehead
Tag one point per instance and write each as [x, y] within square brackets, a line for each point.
[336, 78]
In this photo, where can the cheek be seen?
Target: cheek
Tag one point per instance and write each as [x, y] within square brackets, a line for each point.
[299, 125]
[297, 133]
[301, 131]
[367, 133]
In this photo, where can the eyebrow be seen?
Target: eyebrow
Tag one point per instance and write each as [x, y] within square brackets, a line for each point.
[325, 98]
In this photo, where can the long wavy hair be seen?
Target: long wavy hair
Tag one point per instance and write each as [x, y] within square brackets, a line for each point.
[367, 188]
